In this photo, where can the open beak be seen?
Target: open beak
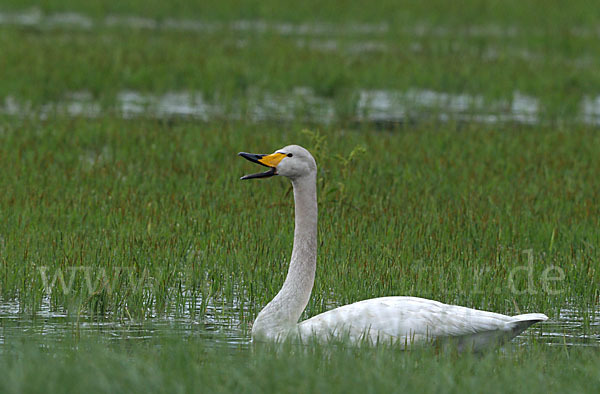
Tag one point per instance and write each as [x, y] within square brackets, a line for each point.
[270, 161]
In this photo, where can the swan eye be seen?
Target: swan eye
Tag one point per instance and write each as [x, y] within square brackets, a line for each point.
[289, 155]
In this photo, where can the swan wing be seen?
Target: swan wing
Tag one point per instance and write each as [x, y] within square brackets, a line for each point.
[410, 319]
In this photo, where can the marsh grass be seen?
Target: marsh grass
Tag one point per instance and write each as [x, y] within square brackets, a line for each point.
[550, 57]
[139, 216]
[169, 365]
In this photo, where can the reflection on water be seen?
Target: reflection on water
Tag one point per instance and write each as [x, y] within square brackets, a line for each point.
[303, 104]
[72, 20]
[568, 328]
[221, 326]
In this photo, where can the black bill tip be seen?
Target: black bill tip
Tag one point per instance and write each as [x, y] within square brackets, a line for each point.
[265, 174]
[253, 157]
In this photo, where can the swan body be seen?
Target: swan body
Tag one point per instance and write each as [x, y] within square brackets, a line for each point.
[399, 320]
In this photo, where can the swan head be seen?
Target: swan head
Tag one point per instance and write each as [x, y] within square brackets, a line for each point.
[292, 161]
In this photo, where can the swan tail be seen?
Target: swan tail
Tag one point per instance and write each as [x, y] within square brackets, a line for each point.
[484, 339]
[521, 322]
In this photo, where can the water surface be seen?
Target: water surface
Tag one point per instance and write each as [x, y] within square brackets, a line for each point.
[221, 326]
[304, 105]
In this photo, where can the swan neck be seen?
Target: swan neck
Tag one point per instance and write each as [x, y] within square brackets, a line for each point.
[283, 312]
[305, 208]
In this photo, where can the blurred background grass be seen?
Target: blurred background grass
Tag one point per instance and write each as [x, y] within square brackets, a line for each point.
[487, 48]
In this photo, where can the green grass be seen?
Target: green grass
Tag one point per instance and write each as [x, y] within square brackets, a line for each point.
[171, 365]
[434, 212]
[548, 58]
[536, 13]
[190, 366]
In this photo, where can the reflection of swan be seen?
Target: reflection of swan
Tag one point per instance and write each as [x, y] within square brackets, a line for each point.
[400, 320]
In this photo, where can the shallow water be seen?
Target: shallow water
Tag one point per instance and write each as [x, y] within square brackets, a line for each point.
[568, 328]
[303, 104]
[34, 16]
[221, 326]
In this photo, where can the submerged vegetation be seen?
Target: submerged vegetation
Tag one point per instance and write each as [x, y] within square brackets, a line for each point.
[119, 219]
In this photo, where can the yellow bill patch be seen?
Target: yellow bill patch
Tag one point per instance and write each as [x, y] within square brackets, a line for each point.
[272, 160]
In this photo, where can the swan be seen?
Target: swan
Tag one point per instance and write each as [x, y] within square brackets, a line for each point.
[401, 320]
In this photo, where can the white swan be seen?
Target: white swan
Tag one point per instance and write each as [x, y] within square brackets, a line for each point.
[402, 320]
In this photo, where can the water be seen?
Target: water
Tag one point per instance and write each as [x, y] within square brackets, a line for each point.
[568, 328]
[72, 20]
[221, 326]
[303, 104]
[349, 38]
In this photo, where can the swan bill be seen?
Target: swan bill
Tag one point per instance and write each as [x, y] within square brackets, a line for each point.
[265, 174]
[270, 161]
